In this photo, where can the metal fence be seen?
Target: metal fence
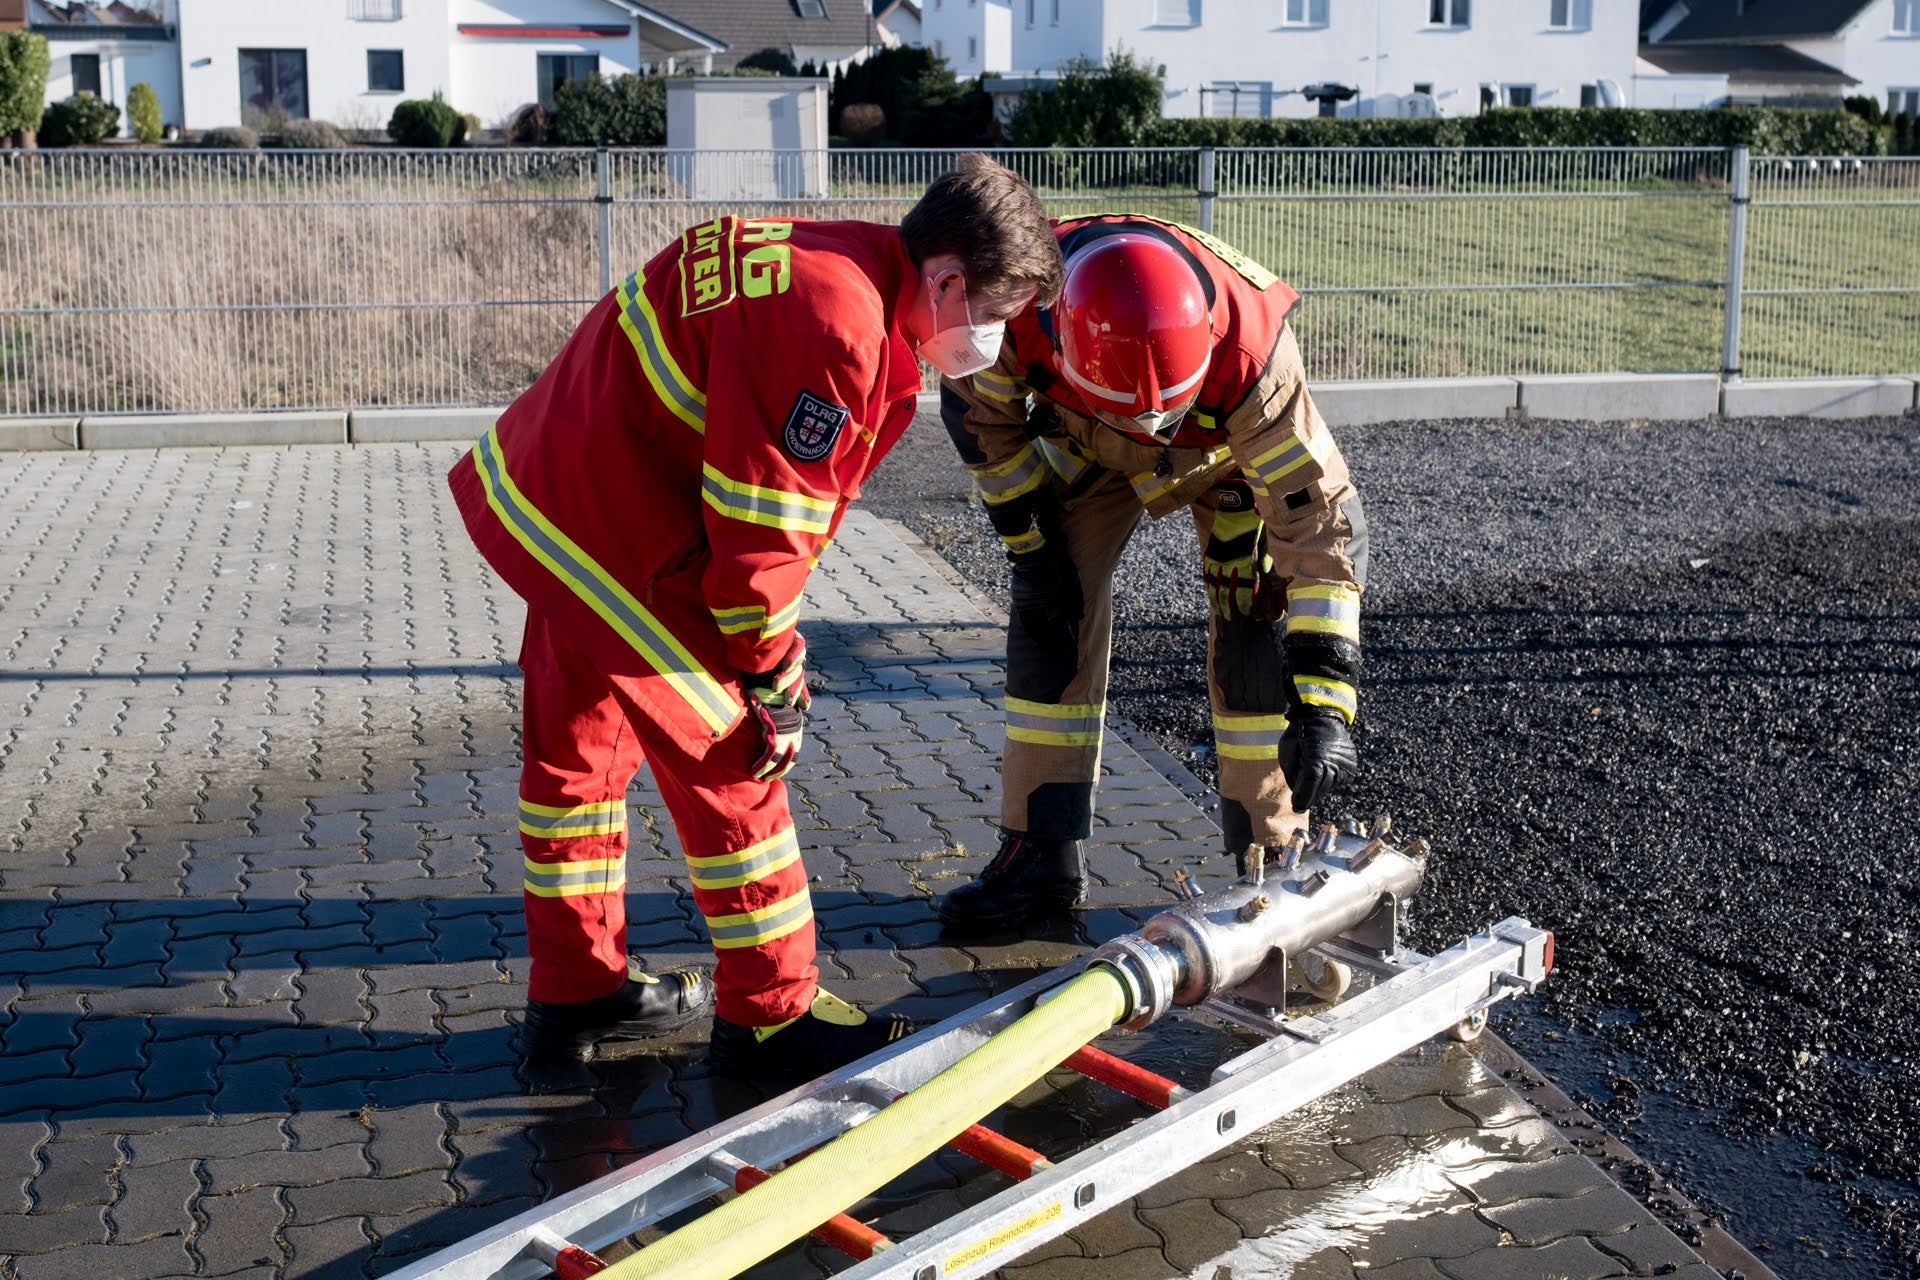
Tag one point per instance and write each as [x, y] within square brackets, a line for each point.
[138, 281]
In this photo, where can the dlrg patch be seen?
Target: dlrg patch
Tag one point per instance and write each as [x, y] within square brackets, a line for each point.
[813, 426]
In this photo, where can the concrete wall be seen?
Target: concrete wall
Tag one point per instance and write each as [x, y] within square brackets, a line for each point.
[1654, 88]
[1382, 47]
[212, 32]
[123, 64]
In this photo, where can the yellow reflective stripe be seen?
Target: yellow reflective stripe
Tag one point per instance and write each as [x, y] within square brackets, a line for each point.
[1071, 724]
[756, 928]
[1329, 610]
[755, 862]
[1008, 479]
[1285, 458]
[1243, 736]
[1020, 543]
[756, 504]
[559, 823]
[573, 879]
[599, 591]
[1206, 421]
[675, 389]
[1067, 461]
[782, 620]
[1318, 691]
[734, 621]
[993, 385]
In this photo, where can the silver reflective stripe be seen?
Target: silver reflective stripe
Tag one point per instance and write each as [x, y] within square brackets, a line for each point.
[1018, 479]
[1347, 610]
[1065, 461]
[563, 879]
[774, 924]
[763, 507]
[664, 366]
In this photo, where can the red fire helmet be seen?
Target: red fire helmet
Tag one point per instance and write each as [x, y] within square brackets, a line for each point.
[1135, 337]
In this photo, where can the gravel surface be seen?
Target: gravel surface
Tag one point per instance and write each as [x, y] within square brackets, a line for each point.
[1656, 687]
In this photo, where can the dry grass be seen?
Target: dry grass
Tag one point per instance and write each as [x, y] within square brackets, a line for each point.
[182, 281]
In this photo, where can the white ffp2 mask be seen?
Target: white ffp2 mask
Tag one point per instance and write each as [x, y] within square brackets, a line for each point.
[963, 348]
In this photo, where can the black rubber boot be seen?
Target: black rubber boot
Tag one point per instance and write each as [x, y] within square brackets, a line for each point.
[1029, 879]
[827, 1036]
[642, 1006]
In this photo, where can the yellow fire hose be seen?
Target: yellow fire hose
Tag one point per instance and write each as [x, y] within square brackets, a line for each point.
[757, 1224]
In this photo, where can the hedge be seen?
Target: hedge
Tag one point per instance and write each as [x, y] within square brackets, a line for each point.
[1767, 130]
[80, 121]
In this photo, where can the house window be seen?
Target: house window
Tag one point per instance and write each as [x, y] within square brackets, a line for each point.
[939, 48]
[375, 10]
[386, 71]
[1176, 13]
[1903, 102]
[557, 69]
[973, 48]
[811, 8]
[1906, 17]
[86, 73]
[1304, 13]
[1423, 86]
[1519, 95]
[1450, 13]
[1251, 99]
[1589, 95]
[1570, 15]
[273, 86]
[1053, 18]
[1031, 4]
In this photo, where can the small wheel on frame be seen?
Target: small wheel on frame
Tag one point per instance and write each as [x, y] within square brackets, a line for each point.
[1468, 1029]
[1322, 978]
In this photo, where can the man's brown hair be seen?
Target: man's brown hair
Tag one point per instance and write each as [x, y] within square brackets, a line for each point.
[989, 218]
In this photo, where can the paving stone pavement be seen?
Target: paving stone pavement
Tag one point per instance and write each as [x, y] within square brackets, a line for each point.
[263, 951]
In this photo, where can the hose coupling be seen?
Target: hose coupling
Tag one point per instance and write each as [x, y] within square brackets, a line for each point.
[1149, 973]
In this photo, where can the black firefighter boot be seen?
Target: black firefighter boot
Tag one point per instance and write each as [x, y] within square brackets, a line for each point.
[1029, 879]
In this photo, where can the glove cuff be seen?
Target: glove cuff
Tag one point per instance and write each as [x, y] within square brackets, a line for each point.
[1324, 669]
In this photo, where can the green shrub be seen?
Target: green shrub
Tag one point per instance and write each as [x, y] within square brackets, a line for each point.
[1767, 130]
[920, 101]
[143, 112]
[774, 61]
[1092, 106]
[80, 121]
[311, 135]
[529, 126]
[426, 122]
[626, 111]
[230, 138]
[23, 81]
[1867, 108]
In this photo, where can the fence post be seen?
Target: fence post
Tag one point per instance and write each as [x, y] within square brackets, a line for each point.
[1736, 267]
[1206, 190]
[603, 196]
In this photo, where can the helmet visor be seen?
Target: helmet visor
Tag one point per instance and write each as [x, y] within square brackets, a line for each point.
[1157, 425]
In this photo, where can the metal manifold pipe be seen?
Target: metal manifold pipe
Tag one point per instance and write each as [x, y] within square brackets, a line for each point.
[1248, 938]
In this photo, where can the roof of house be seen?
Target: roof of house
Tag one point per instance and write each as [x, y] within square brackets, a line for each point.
[1768, 63]
[748, 26]
[1751, 21]
[52, 13]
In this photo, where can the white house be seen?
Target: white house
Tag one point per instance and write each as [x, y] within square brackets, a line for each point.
[1811, 52]
[974, 36]
[1381, 57]
[105, 51]
[899, 23]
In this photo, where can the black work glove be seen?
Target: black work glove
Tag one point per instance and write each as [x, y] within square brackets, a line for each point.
[1316, 751]
[778, 701]
[1044, 584]
[1317, 756]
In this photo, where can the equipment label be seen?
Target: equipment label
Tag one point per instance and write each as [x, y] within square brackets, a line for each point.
[1005, 1235]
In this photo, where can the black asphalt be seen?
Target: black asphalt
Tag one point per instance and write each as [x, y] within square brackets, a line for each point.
[1656, 687]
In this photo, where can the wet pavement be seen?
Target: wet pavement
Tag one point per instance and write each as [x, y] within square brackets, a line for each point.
[263, 948]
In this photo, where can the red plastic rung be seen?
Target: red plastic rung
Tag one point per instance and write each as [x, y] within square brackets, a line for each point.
[999, 1151]
[849, 1235]
[575, 1263]
[1118, 1073]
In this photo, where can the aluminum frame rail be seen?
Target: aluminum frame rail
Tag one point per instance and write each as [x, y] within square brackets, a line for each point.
[1304, 1058]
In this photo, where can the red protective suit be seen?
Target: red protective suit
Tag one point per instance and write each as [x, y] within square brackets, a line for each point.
[658, 497]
